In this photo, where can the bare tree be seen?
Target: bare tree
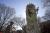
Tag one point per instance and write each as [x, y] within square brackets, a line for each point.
[46, 5]
[6, 13]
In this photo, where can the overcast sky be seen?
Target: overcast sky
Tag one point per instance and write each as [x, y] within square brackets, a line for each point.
[20, 6]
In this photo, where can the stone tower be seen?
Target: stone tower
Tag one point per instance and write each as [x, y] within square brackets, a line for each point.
[31, 16]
